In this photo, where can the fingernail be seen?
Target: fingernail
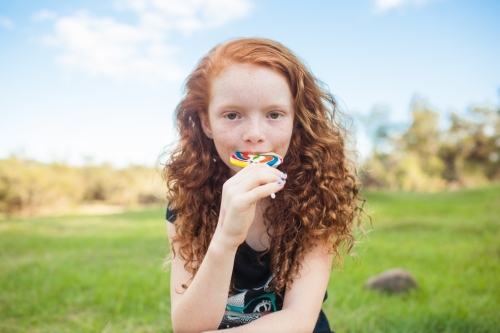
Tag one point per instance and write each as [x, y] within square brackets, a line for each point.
[282, 178]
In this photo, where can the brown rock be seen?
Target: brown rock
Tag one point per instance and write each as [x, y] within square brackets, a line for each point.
[395, 280]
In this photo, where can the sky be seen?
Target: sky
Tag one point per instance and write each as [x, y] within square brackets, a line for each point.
[97, 81]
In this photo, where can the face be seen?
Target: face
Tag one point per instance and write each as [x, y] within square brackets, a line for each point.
[250, 110]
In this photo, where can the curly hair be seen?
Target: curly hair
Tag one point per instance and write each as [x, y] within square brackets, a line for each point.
[321, 202]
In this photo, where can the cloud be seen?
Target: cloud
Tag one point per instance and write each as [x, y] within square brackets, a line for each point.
[102, 46]
[187, 15]
[141, 51]
[6, 23]
[385, 5]
[43, 15]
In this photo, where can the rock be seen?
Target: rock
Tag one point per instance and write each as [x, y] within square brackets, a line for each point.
[395, 280]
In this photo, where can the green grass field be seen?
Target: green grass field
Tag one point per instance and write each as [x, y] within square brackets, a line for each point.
[104, 273]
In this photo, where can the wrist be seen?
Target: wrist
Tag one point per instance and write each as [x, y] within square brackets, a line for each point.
[222, 243]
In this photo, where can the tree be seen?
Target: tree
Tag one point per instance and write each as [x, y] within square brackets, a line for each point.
[424, 156]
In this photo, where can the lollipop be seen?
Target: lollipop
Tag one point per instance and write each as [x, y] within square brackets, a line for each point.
[244, 159]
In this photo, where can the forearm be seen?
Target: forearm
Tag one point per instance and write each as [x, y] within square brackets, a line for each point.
[201, 307]
[286, 320]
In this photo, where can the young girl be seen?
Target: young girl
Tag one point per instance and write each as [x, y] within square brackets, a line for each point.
[241, 259]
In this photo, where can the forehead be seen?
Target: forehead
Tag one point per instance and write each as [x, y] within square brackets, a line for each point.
[244, 82]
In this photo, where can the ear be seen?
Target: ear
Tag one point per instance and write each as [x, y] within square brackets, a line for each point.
[205, 124]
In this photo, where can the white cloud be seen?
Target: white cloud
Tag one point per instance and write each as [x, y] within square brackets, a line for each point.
[141, 51]
[189, 15]
[6, 23]
[385, 5]
[43, 15]
[101, 46]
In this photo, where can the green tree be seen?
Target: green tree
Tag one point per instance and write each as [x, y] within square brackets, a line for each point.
[425, 156]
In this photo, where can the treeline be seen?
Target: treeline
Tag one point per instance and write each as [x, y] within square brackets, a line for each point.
[432, 153]
[32, 188]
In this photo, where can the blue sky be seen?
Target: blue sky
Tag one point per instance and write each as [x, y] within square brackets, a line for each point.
[102, 78]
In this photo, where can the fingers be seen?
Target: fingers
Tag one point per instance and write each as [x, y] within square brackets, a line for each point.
[253, 183]
[252, 171]
[264, 191]
[252, 176]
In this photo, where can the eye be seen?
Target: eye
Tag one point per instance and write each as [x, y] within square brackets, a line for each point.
[274, 115]
[231, 116]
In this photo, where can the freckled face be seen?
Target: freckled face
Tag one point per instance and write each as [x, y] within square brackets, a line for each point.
[250, 110]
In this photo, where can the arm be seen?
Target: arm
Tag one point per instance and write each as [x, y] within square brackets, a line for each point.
[302, 303]
[201, 307]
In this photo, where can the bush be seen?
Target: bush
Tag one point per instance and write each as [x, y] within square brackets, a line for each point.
[33, 188]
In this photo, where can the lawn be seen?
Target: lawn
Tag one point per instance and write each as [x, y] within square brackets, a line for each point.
[104, 273]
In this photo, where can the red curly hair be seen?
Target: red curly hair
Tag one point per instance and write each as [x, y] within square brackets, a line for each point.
[321, 199]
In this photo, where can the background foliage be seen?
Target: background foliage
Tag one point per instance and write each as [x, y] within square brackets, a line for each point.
[462, 150]
[431, 153]
[31, 188]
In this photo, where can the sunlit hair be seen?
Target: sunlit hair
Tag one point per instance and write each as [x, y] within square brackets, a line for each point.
[320, 202]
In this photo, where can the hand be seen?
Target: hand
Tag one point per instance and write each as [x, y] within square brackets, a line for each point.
[240, 194]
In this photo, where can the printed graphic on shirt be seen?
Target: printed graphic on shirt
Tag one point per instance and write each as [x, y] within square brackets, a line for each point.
[247, 305]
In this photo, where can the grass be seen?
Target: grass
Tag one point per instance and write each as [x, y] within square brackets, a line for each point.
[84, 274]
[103, 273]
[449, 241]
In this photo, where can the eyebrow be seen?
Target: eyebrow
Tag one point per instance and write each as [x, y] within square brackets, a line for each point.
[272, 106]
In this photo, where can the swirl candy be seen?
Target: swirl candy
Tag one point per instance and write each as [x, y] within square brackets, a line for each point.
[244, 159]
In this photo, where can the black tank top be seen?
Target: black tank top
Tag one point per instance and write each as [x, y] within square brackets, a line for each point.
[252, 298]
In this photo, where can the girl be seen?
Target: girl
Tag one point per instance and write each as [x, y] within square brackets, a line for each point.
[239, 258]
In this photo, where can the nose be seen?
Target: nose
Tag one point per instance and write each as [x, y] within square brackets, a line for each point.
[254, 131]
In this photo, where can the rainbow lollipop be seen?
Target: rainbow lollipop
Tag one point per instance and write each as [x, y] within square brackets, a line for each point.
[244, 159]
